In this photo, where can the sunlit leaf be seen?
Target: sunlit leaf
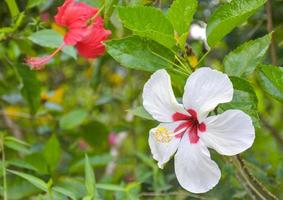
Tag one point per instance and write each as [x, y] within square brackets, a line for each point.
[137, 53]
[181, 14]
[243, 60]
[154, 26]
[229, 15]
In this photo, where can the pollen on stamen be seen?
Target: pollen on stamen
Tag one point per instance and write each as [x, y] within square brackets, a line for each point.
[37, 63]
[162, 135]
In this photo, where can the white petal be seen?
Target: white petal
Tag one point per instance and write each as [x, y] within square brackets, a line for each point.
[205, 89]
[229, 133]
[162, 151]
[159, 99]
[195, 170]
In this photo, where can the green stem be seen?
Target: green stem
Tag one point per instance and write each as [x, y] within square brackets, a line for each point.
[202, 58]
[170, 62]
[12, 5]
[187, 69]
[4, 168]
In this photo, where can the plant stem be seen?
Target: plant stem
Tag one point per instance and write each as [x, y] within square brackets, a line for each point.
[252, 182]
[273, 131]
[4, 168]
[202, 58]
[12, 5]
[268, 8]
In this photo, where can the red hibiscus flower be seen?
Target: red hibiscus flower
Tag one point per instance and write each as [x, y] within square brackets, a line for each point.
[85, 31]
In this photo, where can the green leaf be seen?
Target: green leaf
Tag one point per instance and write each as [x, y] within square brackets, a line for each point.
[64, 191]
[21, 164]
[52, 152]
[244, 99]
[228, 16]
[32, 179]
[96, 134]
[110, 187]
[30, 87]
[154, 26]
[37, 161]
[137, 53]
[140, 112]
[16, 144]
[51, 39]
[243, 60]
[181, 14]
[271, 79]
[90, 183]
[73, 119]
[95, 161]
[33, 3]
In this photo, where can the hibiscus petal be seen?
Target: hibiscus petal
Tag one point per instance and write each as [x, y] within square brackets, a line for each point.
[229, 133]
[195, 170]
[205, 89]
[159, 99]
[162, 151]
[91, 46]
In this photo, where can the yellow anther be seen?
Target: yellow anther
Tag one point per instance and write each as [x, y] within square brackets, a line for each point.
[162, 135]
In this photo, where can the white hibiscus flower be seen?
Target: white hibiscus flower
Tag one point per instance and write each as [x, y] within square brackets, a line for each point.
[188, 131]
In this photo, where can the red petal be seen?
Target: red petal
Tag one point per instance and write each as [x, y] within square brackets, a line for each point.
[91, 46]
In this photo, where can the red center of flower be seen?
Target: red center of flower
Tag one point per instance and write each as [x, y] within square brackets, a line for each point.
[191, 125]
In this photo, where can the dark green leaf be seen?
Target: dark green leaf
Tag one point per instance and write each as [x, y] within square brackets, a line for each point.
[52, 152]
[95, 133]
[243, 60]
[137, 53]
[271, 79]
[30, 88]
[181, 14]
[154, 26]
[73, 119]
[228, 16]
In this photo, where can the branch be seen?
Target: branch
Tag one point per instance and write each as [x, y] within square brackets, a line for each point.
[268, 8]
[273, 131]
[177, 193]
[258, 188]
